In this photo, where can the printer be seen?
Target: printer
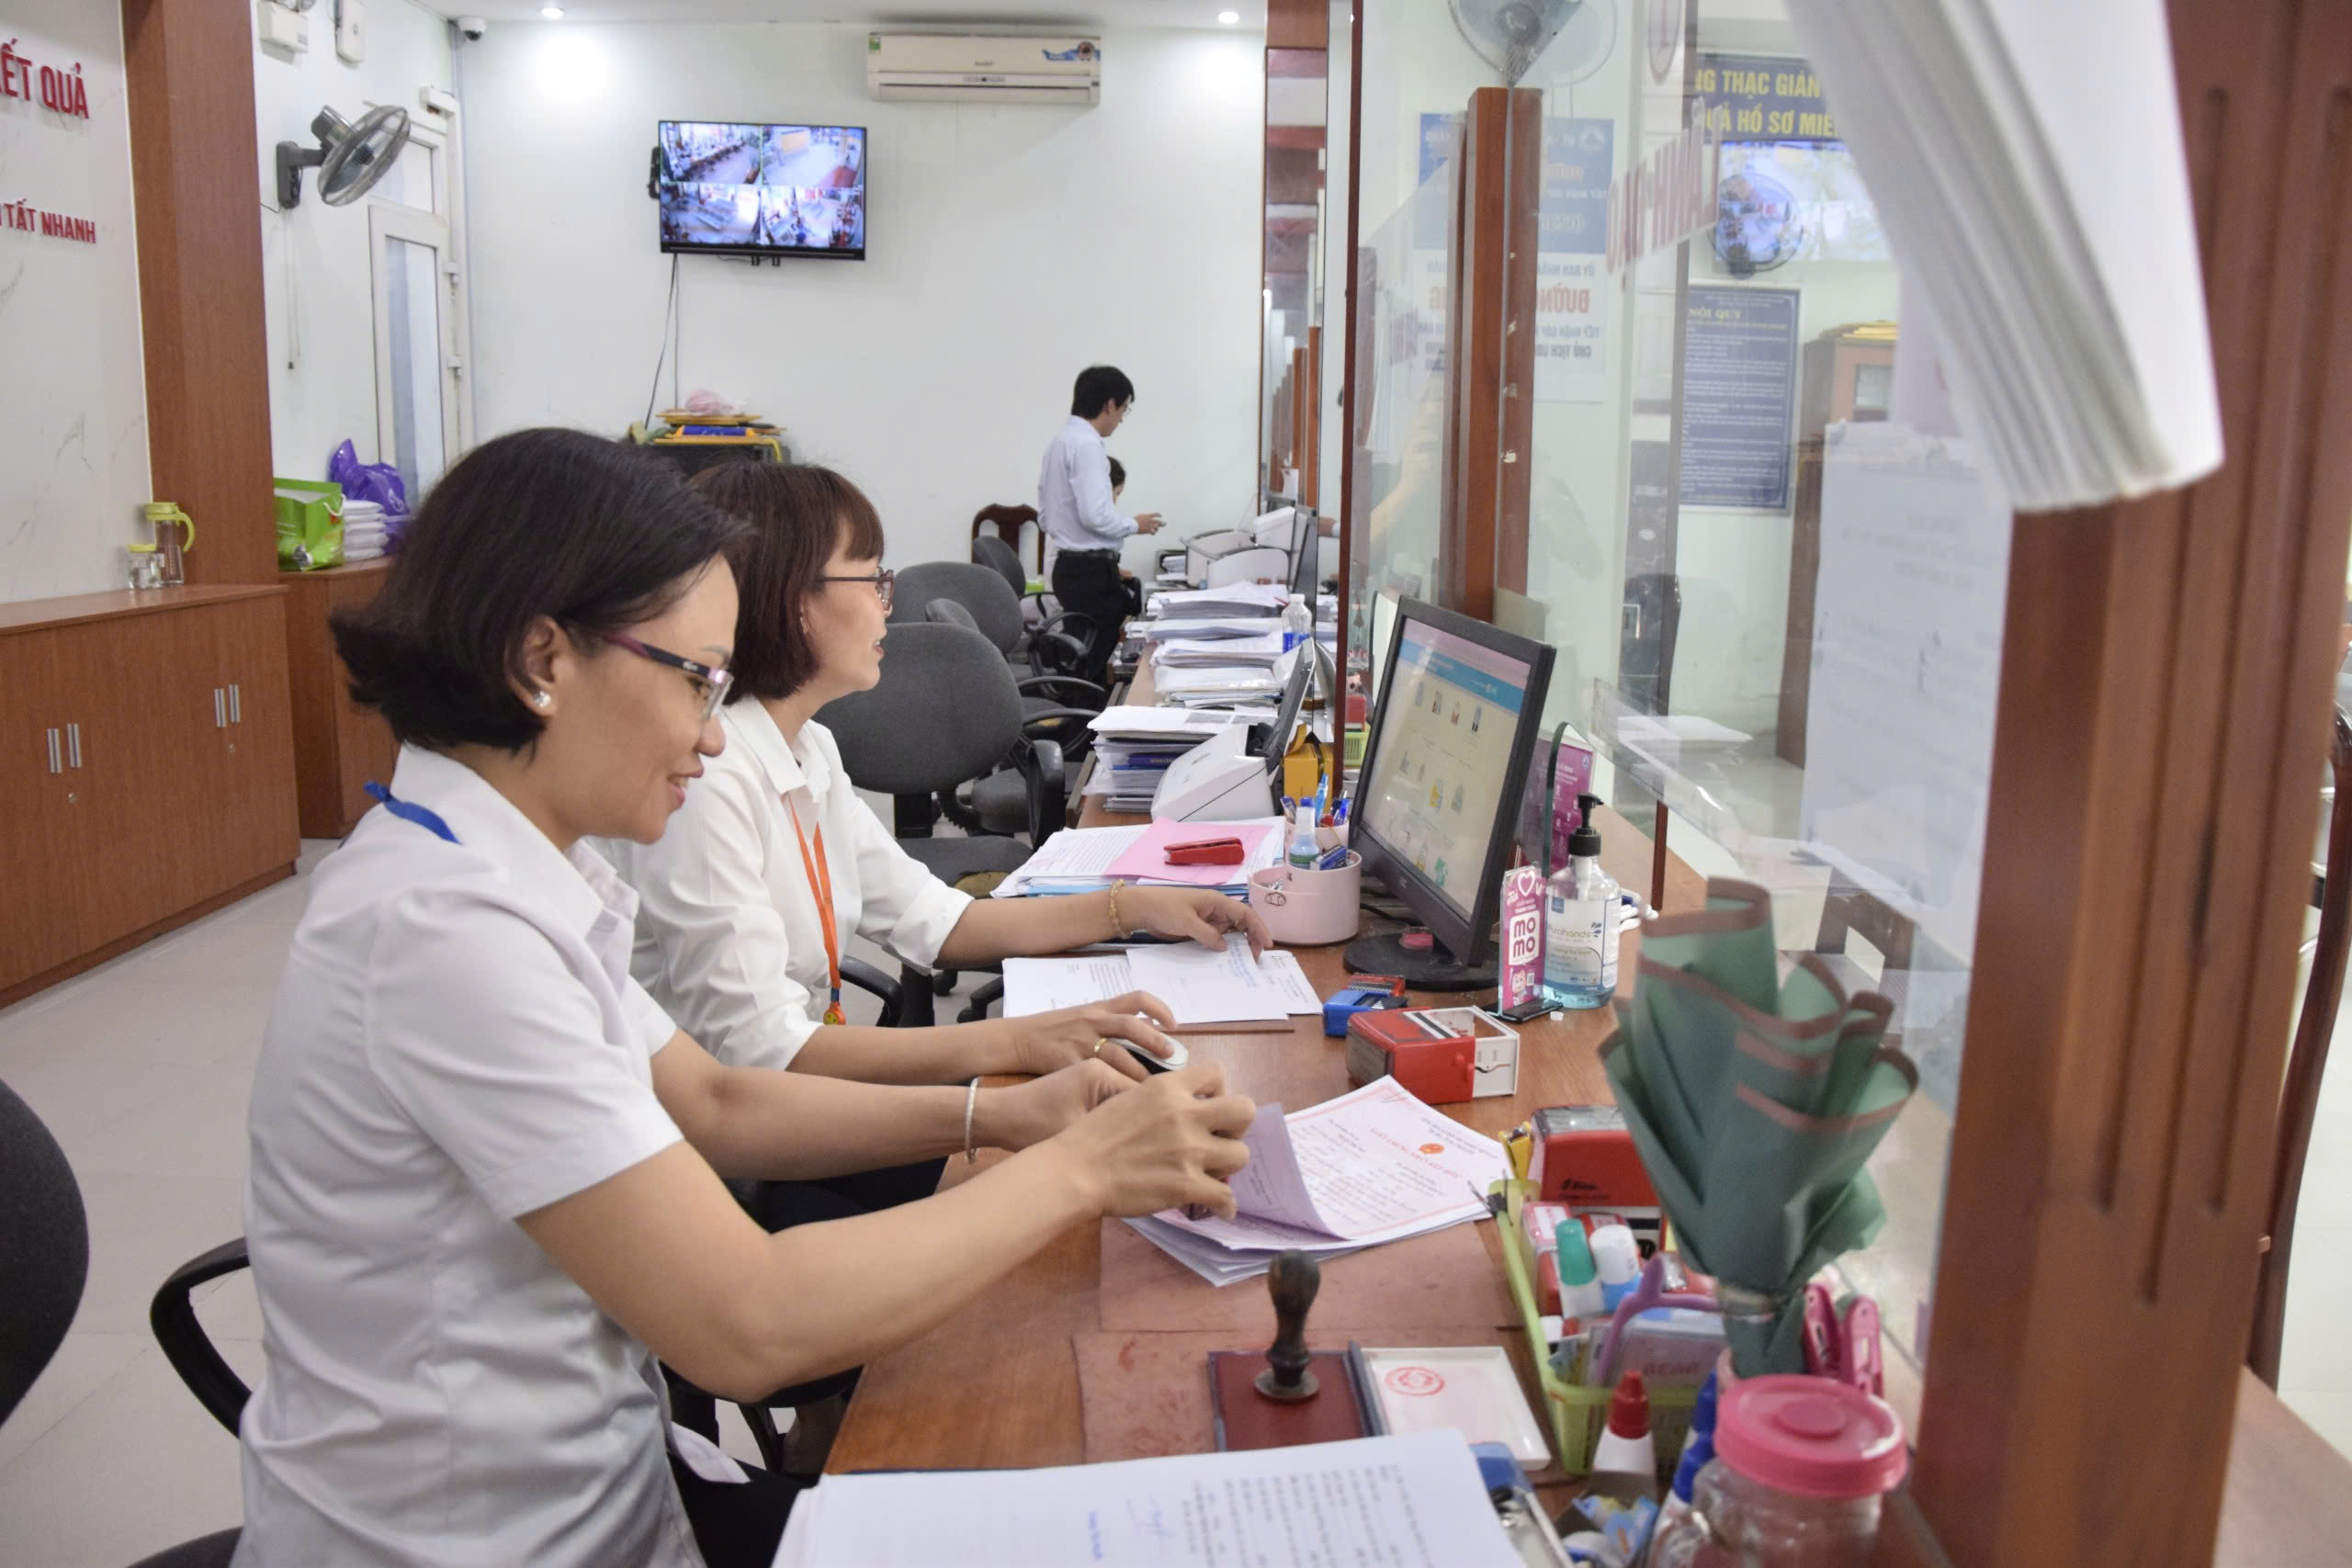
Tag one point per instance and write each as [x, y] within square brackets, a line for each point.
[1236, 774]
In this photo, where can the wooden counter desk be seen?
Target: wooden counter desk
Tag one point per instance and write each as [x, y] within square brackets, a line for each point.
[997, 1387]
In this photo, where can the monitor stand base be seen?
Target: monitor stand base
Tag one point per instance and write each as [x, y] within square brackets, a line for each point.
[1430, 968]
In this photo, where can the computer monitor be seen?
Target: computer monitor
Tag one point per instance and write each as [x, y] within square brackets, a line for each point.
[1437, 801]
[1305, 553]
[1277, 742]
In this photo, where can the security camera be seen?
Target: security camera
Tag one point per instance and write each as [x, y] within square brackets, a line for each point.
[472, 27]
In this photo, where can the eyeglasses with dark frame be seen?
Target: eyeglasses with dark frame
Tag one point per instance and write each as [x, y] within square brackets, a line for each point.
[711, 681]
[886, 585]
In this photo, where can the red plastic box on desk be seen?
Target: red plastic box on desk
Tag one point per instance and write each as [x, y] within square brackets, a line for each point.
[1440, 1055]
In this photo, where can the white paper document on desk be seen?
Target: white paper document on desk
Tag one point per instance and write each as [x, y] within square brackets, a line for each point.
[1199, 985]
[1371, 1167]
[1410, 1500]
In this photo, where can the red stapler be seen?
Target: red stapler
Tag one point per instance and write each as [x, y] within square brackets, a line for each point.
[1205, 851]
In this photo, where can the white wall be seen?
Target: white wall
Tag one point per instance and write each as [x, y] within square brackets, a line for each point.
[73, 402]
[315, 258]
[1008, 247]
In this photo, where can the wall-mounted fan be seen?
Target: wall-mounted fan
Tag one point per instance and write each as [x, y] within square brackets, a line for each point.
[349, 158]
[1510, 34]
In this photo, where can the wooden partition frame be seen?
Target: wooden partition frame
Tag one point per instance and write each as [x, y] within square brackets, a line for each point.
[1490, 343]
[195, 164]
[2164, 701]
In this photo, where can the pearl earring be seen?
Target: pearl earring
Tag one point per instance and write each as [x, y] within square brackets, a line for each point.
[538, 699]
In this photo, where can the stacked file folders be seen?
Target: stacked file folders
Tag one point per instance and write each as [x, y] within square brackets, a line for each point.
[1134, 746]
[1265, 599]
[1372, 1166]
[1081, 860]
[1203, 628]
[363, 531]
[1186, 652]
[1213, 685]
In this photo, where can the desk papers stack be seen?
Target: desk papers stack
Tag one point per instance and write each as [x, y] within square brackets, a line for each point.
[1085, 860]
[1265, 599]
[1412, 1500]
[1134, 746]
[1176, 653]
[1203, 988]
[1368, 1168]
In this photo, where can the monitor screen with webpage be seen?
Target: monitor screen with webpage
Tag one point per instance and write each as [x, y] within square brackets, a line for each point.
[762, 190]
[1436, 803]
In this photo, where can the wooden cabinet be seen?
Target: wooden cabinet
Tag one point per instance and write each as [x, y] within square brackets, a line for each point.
[146, 767]
[338, 746]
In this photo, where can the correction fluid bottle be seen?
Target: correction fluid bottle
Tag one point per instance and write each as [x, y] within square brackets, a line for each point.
[1581, 921]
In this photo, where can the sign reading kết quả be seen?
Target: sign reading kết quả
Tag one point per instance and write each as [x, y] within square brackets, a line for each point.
[60, 92]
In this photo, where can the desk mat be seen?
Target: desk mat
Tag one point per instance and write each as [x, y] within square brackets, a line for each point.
[1444, 1276]
[1142, 1395]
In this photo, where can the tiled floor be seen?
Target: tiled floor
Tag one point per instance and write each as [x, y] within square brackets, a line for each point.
[142, 1069]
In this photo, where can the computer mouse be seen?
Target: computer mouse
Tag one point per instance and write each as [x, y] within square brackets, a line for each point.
[1154, 1063]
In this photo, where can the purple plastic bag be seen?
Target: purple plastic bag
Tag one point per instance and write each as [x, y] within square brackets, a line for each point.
[379, 482]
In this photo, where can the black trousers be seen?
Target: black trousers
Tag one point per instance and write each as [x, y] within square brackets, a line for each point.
[1090, 584]
[735, 1526]
[780, 1205]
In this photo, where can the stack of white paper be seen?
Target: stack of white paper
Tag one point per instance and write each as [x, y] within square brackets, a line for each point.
[1413, 1500]
[1201, 987]
[1368, 1168]
[1125, 722]
[1260, 650]
[1201, 629]
[1078, 859]
[1204, 685]
[2042, 210]
[1233, 599]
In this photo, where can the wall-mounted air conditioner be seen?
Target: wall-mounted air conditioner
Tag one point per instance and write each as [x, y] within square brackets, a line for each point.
[939, 67]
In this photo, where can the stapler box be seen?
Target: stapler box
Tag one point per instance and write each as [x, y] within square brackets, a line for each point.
[1439, 1054]
[1584, 1158]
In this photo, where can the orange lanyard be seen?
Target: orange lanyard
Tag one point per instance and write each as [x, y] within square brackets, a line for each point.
[820, 883]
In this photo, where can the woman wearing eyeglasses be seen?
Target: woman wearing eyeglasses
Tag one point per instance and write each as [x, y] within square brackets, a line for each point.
[774, 860]
[484, 1189]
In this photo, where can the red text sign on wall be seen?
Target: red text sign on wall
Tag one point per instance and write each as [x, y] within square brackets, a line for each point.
[56, 225]
[61, 91]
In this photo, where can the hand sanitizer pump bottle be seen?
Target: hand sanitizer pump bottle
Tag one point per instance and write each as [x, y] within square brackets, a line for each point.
[1581, 921]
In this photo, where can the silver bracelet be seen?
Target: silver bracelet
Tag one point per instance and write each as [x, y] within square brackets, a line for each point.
[971, 1102]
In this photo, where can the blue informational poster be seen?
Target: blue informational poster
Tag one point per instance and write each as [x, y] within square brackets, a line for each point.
[1739, 393]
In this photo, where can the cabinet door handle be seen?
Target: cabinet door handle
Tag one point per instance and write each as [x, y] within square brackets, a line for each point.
[236, 708]
[74, 745]
[219, 709]
[55, 764]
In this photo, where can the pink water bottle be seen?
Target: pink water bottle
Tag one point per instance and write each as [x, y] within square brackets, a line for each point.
[1800, 1465]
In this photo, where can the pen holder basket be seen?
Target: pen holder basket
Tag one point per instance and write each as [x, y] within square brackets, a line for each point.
[1579, 1413]
[1309, 908]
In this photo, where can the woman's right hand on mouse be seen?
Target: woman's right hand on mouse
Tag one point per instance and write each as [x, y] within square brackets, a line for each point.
[1171, 1141]
[1048, 1041]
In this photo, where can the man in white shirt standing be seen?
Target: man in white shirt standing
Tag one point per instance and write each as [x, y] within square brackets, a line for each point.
[1075, 508]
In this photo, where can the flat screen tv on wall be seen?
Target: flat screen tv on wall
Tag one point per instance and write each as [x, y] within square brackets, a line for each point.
[762, 190]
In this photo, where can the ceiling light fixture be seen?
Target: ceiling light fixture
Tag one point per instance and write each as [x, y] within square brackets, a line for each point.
[551, 13]
[1228, 18]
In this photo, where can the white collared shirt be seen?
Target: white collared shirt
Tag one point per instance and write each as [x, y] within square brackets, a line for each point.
[728, 938]
[456, 1041]
[1074, 493]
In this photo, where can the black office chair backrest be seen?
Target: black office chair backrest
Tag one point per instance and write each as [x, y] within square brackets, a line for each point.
[995, 608]
[945, 710]
[990, 551]
[44, 1248]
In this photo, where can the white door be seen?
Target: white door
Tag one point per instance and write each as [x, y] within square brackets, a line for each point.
[417, 365]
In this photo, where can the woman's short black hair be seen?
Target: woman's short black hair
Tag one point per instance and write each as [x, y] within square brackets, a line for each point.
[1099, 386]
[1118, 473]
[798, 514]
[589, 533]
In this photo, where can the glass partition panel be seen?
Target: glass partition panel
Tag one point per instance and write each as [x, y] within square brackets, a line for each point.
[1773, 572]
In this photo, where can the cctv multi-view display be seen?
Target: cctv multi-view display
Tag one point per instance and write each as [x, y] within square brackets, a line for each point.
[763, 190]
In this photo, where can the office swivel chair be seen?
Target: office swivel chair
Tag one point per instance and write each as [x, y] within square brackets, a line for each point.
[945, 712]
[998, 799]
[1047, 652]
[45, 1258]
